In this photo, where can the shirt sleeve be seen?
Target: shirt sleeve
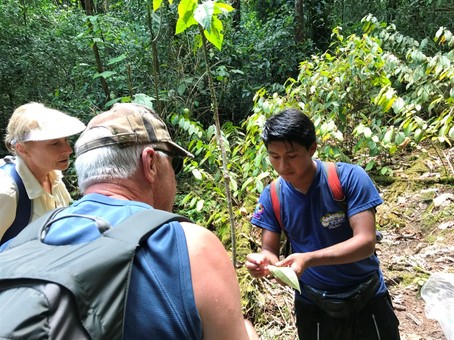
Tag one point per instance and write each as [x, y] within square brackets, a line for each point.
[8, 202]
[263, 215]
[360, 191]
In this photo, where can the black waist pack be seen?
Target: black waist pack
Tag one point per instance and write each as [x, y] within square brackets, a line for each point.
[345, 304]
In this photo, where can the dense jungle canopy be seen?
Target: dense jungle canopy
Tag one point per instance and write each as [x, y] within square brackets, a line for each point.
[84, 55]
[375, 76]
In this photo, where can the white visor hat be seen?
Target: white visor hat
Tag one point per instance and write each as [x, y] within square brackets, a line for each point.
[53, 124]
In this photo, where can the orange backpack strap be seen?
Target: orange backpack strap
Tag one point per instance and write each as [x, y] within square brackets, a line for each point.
[333, 181]
[275, 188]
[337, 192]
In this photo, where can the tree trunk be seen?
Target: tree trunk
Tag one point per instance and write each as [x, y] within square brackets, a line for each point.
[299, 21]
[154, 49]
[220, 141]
[236, 4]
[99, 66]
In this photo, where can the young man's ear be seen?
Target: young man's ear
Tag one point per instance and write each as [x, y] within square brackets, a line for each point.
[313, 148]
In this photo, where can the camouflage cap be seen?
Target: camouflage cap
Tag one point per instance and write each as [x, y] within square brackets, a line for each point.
[127, 124]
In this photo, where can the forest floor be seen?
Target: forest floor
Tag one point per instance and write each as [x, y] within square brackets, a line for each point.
[417, 222]
[406, 262]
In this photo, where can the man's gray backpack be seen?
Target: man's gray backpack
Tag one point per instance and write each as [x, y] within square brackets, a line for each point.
[71, 291]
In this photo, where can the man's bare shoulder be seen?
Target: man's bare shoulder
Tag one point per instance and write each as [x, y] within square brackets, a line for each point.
[201, 237]
[215, 285]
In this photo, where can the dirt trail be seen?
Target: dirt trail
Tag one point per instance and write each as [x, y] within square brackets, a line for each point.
[418, 221]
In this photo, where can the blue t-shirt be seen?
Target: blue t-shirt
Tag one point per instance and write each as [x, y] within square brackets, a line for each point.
[315, 221]
[161, 303]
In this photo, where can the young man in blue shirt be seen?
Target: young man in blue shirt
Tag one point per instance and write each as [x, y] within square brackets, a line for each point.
[343, 293]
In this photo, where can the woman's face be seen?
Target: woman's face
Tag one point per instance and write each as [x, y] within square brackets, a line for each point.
[46, 155]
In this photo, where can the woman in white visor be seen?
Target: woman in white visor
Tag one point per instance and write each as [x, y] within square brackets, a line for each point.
[31, 182]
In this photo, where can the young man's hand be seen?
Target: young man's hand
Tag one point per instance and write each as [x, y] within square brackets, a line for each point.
[257, 264]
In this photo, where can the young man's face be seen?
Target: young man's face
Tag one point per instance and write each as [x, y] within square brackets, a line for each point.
[291, 160]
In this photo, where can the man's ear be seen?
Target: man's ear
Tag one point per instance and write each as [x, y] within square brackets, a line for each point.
[313, 148]
[149, 158]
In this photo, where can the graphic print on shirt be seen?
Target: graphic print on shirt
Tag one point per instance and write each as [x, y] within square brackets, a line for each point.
[258, 211]
[333, 220]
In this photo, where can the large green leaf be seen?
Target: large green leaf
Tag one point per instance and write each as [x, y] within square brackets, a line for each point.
[203, 14]
[221, 8]
[186, 19]
[215, 35]
[117, 59]
[105, 74]
[144, 99]
[157, 4]
[285, 275]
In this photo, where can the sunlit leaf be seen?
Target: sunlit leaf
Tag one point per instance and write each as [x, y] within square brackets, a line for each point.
[367, 132]
[220, 7]
[143, 99]
[215, 35]
[105, 74]
[418, 135]
[186, 19]
[156, 4]
[200, 204]
[203, 14]
[388, 135]
[197, 174]
[451, 133]
[285, 275]
[117, 59]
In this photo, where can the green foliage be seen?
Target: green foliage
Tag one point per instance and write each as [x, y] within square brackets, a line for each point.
[373, 95]
[191, 13]
[47, 55]
[204, 198]
[416, 19]
[257, 54]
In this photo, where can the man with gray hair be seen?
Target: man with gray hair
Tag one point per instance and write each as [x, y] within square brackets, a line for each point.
[183, 285]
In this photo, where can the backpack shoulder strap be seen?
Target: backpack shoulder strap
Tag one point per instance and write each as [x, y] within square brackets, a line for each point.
[330, 169]
[139, 226]
[33, 230]
[333, 181]
[275, 192]
[337, 191]
[24, 205]
[134, 229]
